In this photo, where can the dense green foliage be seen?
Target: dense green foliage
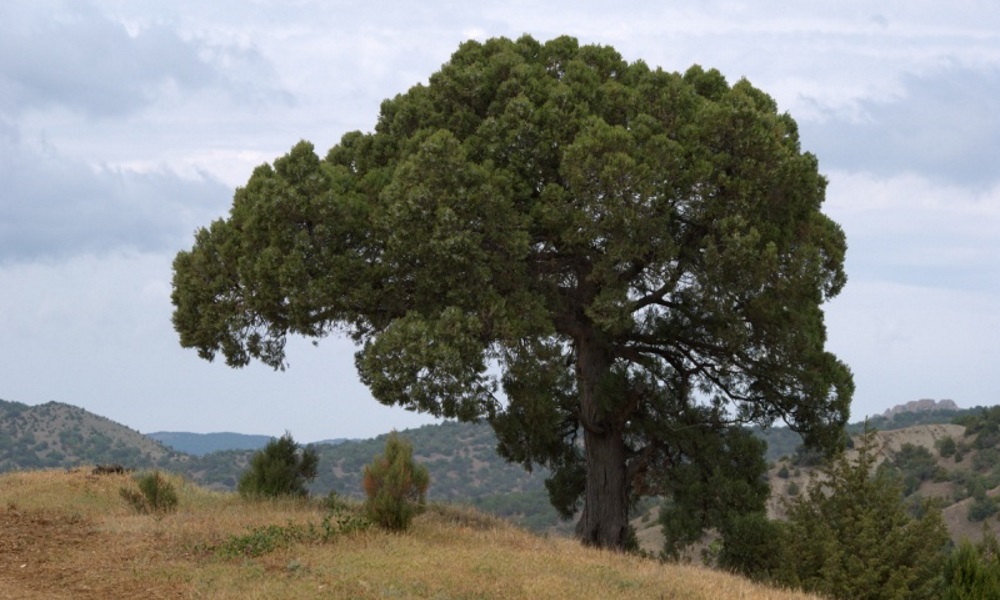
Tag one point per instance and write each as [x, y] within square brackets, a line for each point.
[281, 468]
[636, 251]
[719, 477]
[972, 572]
[751, 545]
[851, 536]
[395, 485]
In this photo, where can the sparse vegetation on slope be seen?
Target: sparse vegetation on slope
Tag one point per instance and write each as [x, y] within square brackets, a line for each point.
[70, 535]
[59, 435]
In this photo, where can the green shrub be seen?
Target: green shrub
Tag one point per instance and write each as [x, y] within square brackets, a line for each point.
[279, 469]
[850, 535]
[751, 546]
[984, 460]
[261, 540]
[946, 446]
[968, 575]
[941, 475]
[395, 485]
[982, 508]
[783, 472]
[155, 495]
[258, 541]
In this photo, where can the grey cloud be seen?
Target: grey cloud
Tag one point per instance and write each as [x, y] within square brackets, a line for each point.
[76, 57]
[52, 207]
[946, 126]
[73, 56]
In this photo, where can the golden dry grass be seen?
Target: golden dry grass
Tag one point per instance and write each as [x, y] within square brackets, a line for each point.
[70, 535]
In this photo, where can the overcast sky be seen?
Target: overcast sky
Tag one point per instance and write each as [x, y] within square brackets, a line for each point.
[125, 125]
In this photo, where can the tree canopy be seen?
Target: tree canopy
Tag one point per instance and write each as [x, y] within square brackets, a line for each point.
[570, 246]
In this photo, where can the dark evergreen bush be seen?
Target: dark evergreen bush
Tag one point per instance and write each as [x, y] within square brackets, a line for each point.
[982, 508]
[751, 546]
[947, 446]
[969, 575]
[281, 468]
[851, 536]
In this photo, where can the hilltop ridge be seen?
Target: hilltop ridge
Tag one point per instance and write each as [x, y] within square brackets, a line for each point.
[55, 434]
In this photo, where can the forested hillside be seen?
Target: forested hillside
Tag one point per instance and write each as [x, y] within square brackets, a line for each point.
[60, 435]
[200, 444]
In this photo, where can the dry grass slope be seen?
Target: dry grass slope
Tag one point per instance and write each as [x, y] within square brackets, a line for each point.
[70, 535]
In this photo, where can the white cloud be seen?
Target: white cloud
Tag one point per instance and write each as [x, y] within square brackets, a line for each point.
[71, 55]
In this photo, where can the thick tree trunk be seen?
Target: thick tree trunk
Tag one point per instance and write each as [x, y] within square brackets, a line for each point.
[604, 522]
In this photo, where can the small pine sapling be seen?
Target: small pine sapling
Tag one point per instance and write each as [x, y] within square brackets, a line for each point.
[395, 485]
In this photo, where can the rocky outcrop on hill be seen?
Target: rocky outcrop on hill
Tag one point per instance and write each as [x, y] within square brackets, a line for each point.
[923, 405]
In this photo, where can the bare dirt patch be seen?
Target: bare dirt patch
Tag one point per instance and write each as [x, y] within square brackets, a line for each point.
[50, 555]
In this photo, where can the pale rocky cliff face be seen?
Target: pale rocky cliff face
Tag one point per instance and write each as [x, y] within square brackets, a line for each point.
[922, 405]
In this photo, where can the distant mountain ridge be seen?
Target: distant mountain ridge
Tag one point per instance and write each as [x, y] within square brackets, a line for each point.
[200, 444]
